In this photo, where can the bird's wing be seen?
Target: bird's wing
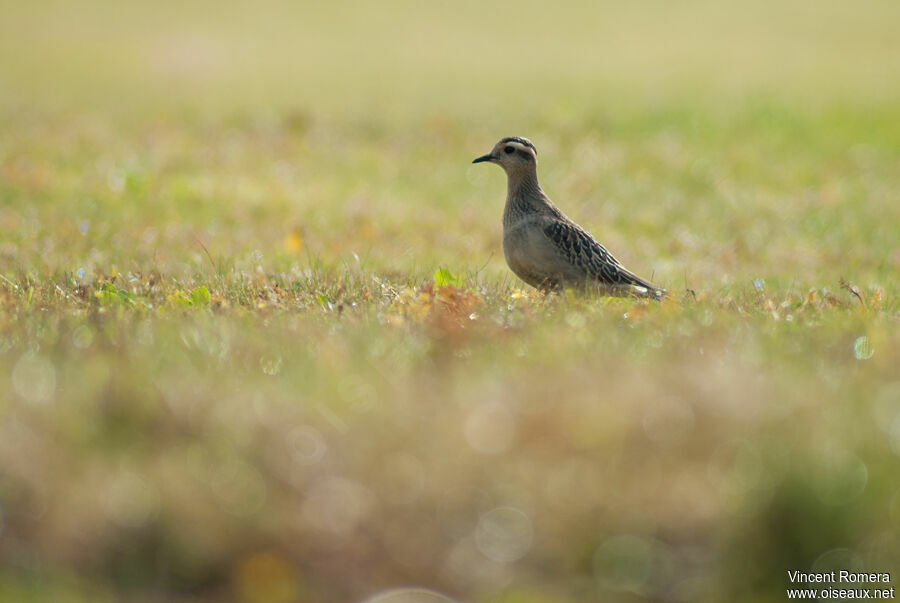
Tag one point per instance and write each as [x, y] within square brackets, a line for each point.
[585, 252]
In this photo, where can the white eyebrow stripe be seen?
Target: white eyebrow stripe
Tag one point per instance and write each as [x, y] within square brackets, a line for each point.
[519, 140]
[519, 146]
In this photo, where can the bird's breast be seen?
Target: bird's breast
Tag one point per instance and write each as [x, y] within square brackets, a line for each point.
[524, 251]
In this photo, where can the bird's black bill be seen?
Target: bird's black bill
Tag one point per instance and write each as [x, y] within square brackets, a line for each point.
[487, 157]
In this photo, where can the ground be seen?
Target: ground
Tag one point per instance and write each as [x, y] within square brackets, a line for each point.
[258, 342]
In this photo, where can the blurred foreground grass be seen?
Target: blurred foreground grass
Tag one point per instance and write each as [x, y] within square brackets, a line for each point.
[229, 372]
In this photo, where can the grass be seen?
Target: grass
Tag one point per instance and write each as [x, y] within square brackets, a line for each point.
[258, 341]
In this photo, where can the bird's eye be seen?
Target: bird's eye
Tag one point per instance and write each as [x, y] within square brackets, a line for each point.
[509, 150]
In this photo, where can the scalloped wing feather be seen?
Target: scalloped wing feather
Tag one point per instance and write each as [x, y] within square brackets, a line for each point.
[585, 252]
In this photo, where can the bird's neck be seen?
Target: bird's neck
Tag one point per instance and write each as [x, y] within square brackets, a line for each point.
[524, 185]
[523, 196]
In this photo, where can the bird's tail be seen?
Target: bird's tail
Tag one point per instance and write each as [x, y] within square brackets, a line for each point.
[642, 287]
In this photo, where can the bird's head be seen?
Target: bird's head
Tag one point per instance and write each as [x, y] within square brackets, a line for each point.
[513, 153]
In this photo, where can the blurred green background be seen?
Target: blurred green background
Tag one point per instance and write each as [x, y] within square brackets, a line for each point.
[231, 373]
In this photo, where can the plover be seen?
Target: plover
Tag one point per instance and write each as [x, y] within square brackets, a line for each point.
[545, 248]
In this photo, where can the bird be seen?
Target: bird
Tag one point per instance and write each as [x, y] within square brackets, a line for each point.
[542, 246]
